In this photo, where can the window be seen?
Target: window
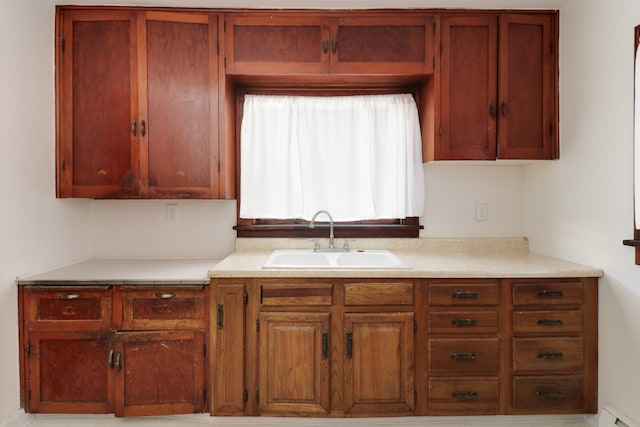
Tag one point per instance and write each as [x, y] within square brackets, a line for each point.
[358, 157]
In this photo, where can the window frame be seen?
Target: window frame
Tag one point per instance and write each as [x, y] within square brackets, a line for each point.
[408, 227]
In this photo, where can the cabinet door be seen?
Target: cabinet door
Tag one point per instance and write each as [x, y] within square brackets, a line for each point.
[277, 44]
[68, 372]
[158, 373]
[178, 122]
[293, 363]
[228, 362]
[97, 100]
[527, 91]
[382, 45]
[379, 364]
[468, 88]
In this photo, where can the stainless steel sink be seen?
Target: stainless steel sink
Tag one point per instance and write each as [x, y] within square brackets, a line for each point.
[307, 259]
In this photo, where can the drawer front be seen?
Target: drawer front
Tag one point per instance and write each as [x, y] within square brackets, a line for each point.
[163, 308]
[296, 293]
[548, 293]
[396, 293]
[464, 294]
[66, 307]
[481, 355]
[474, 396]
[543, 354]
[547, 393]
[547, 322]
[463, 322]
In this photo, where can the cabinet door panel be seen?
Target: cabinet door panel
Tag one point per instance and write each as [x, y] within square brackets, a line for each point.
[376, 45]
[68, 372]
[159, 372]
[526, 87]
[269, 44]
[294, 363]
[97, 86]
[468, 88]
[181, 73]
[379, 364]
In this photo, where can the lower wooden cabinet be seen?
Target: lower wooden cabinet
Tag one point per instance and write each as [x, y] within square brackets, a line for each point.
[398, 347]
[137, 350]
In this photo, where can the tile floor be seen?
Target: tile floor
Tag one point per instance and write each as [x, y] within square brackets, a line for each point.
[50, 420]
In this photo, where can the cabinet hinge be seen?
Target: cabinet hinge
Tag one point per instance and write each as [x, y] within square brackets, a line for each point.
[63, 165]
[225, 62]
[246, 298]
[27, 350]
[204, 349]
[552, 48]
[224, 26]
[434, 27]
[440, 130]
[62, 45]
[257, 325]
[245, 396]
[220, 316]
[415, 325]
[257, 396]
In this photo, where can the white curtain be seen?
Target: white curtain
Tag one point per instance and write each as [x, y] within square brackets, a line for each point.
[358, 157]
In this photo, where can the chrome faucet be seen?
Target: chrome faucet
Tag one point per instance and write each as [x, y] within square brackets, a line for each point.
[312, 224]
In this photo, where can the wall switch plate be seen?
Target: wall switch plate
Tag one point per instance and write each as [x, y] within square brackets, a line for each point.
[171, 212]
[482, 211]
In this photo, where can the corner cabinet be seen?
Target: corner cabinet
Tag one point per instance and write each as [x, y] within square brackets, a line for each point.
[137, 104]
[498, 90]
[357, 43]
[343, 347]
[113, 349]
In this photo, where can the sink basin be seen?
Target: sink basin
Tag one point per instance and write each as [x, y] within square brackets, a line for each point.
[302, 258]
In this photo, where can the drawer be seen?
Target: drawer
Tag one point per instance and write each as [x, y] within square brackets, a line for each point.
[547, 322]
[296, 293]
[471, 396]
[464, 294]
[544, 354]
[388, 293]
[161, 308]
[83, 308]
[547, 393]
[478, 355]
[463, 322]
[548, 293]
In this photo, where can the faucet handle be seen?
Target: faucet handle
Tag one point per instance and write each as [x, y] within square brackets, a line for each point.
[345, 246]
[316, 244]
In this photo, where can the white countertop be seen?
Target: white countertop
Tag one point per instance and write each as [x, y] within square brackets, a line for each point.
[126, 271]
[427, 258]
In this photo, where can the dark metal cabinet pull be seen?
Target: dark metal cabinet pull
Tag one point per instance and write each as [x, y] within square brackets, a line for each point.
[465, 395]
[325, 45]
[118, 362]
[462, 356]
[493, 110]
[325, 345]
[550, 394]
[134, 125]
[69, 296]
[349, 345]
[549, 294]
[334, 45]
[143, 128]
[464, 295]
[110, 359]
[549, 322]
[505, 108]
[550, 356]
[220, 316]
[464, 322]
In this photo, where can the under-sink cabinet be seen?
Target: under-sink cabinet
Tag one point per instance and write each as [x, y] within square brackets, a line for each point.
[341, 347]
[128, 350]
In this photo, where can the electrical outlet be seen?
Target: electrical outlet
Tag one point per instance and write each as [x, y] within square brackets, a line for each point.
[482, 211]
[171, 212]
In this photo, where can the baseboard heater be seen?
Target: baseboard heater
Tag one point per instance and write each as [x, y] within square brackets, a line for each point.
[611, 417]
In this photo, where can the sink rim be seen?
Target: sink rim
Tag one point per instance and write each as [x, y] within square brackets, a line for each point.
[332, 258]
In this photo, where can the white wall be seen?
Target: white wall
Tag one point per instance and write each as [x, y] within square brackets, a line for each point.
[580, 208]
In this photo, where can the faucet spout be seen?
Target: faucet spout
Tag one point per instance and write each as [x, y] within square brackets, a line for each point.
[312, 224]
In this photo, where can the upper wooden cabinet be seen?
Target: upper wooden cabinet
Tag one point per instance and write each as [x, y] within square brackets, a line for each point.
[137, 104]
[260, 44]
[498, 90]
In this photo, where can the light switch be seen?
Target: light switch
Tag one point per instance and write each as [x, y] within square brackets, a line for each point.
[482, 211]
